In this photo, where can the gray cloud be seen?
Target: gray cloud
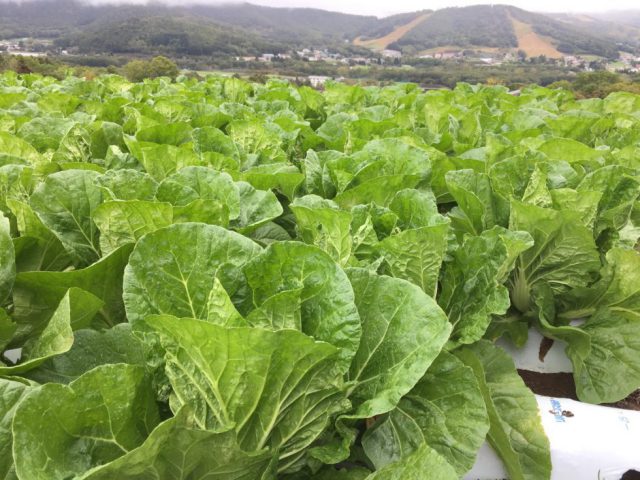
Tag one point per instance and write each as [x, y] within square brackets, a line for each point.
[380, 8]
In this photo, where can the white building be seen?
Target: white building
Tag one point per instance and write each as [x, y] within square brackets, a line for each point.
[572, 61]
[448, 55]
[318, 80]
[391, 53]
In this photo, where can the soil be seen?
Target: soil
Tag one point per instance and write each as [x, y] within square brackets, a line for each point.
[383, 42]
[632, 402]
[532, 43]
[545, 346]
[550, 384]
[562, 385]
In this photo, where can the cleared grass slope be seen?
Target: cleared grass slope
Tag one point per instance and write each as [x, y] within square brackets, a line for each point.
[383, 42]
[532, 43]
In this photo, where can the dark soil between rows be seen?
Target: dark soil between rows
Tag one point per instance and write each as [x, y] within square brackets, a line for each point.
[562, 385]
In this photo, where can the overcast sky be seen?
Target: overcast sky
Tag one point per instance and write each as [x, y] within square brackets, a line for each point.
[377, 7]
[388, 7]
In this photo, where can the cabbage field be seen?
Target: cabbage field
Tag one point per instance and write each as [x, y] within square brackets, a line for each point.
[213, 279]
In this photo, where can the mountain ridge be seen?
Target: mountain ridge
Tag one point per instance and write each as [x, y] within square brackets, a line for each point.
[244, 28]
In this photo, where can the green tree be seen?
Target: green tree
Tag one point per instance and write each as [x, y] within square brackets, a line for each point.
[138, 70]
[21, 65]
[163, 67]
[595, 84]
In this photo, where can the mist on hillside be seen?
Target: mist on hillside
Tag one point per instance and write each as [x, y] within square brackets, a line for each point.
[615, 8]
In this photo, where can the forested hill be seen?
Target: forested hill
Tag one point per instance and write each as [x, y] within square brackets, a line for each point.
[241, 28]
[60, 17]
[502, 27]
[244, 28]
